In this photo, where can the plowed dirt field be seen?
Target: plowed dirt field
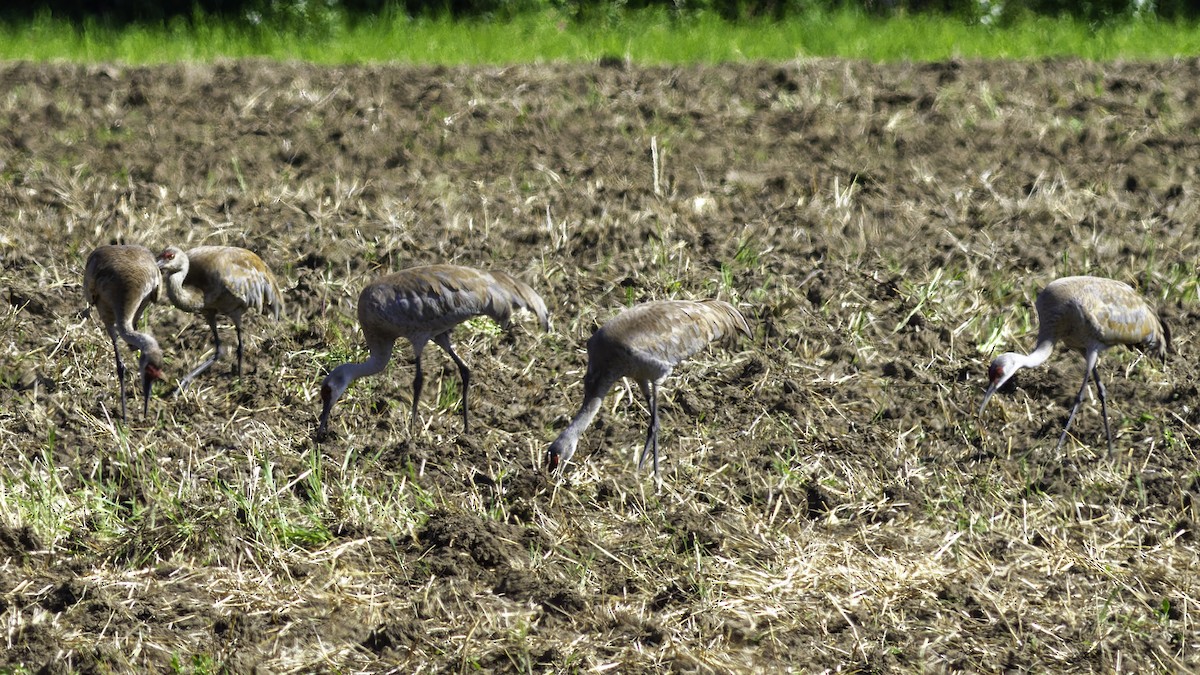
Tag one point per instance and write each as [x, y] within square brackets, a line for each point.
[831, 500]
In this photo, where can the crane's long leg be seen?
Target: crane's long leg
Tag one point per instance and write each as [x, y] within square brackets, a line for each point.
[212, 323]
[1103, 405]
[443, 341]
[112, 333]
[237, 323]
[418, 381]
[650, 391]
[1088, 371]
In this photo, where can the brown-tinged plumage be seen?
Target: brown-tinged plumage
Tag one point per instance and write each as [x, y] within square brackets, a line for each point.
[219, 280]
[423, 304]
[645, 343]
[121, 281]
[1089, 315]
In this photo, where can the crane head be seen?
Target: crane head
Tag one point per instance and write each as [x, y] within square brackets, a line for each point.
[172, 259]
[149, 375]
[559, 453]
[332, 388]
[999, 372]
[150, 365]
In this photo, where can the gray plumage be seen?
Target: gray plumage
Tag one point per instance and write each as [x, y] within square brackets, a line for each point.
[219, 280]
[121, 282]
[423, 304]
[645, 343]
[1088, 315]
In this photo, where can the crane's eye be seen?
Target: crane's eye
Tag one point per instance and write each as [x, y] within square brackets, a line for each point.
[995, 372]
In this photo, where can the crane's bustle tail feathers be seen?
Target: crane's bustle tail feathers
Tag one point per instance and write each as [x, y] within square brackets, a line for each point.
[732, 320]
[517, 293]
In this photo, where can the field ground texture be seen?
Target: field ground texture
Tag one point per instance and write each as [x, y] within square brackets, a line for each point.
[831, 500]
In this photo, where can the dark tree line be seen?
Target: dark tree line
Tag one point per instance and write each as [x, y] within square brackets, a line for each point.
[295, 13]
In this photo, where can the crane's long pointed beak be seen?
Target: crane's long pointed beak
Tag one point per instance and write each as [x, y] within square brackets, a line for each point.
[323, 422]
[150, 373]
[987, 395]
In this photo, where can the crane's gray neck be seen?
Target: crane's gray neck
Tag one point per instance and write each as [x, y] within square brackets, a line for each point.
[593, 397]
[143, 342]
[1040, 353]
[183, 297]
[376, 362]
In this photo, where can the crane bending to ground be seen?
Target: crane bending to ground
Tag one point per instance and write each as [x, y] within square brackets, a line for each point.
[645, 343]
[121, 282]
[216, 280]
[423, 304]
[1089, 315]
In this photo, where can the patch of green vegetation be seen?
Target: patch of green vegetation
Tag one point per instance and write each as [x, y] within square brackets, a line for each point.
[645, 36]
[449, 395]
[197, 664]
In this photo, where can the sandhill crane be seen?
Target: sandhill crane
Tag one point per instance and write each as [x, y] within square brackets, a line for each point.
[645, 343]
[1087, 314]
[121, 281]
[423, 304]
[216, 280]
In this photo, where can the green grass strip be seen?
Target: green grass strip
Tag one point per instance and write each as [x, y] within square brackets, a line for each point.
[644, 37]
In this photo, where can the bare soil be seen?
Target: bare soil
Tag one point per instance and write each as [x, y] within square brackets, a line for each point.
[831, 500]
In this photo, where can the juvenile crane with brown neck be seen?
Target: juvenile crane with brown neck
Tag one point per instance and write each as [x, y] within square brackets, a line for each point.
[645, 343]
[1088, 315]
[423, 304]
[216, 280]
[121, 282]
